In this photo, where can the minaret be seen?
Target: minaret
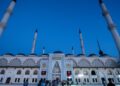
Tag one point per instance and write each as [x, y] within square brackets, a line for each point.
[81, 42]
[43, 50]
[100, 51]
[7, 16]
[72, 50]
[34, 42]
[111, 25]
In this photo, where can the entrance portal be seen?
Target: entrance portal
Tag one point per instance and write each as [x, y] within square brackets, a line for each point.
[56, 76]
[56, 72]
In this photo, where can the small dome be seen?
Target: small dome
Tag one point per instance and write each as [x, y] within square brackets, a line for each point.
[104, 55]
[92, 55]
[21, 54]
[69, 54]
[57, 52]
[14, 0]
[33, 54]
[10, 54]
[80, 55]
[45, 54]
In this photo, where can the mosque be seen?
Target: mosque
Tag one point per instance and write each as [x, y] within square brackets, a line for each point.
[92, 70]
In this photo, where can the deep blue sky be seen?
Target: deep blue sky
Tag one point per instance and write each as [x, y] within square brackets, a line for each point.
[57, 22]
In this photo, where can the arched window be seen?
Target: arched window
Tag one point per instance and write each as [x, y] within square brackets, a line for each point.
[85, 73]
[18, 72]
[35, 72]
[2, 72]
[109, 72]
[27, 72]
[117, 72]
[93, 72]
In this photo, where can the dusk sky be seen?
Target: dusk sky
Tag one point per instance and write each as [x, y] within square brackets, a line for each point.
[58, 23]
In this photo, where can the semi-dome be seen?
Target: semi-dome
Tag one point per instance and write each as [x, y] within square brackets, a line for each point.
[69, 54]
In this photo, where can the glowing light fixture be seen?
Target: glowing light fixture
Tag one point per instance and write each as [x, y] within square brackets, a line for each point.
[80, 75]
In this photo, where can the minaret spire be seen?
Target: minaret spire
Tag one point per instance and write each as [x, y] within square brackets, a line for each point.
[34, 42]
[100, 51]
[6, 16]
[73, 50]
[43, 50]
[81, 42]
[111, 25]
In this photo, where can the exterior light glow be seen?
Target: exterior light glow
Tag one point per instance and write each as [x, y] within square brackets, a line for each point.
[69, 77]
[80, 75]
[119, 76]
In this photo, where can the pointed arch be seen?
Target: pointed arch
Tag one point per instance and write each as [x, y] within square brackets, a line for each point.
[3, 62]
[84, 63]
[29, 62]
[110, 63]
[15, 62]
[74, 62]
[56, 68]
[97, 63]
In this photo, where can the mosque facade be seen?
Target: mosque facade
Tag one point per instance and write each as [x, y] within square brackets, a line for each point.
[92, 70]
[80, 69]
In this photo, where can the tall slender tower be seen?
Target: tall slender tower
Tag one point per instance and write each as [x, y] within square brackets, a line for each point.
[6, 16]
[34, 42]
[111, 25]
[100, 51]
[81, 42]
[73, 50]
[43, 50]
